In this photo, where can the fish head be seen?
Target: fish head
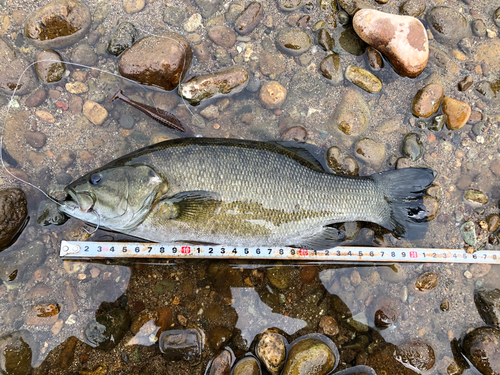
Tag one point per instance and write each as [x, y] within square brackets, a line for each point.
[118, 198]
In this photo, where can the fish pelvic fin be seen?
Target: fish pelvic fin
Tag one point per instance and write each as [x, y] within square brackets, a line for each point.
[404, 191]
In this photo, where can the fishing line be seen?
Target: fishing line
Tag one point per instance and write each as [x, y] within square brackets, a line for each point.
[96, 213]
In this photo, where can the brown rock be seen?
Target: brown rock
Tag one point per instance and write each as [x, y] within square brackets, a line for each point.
[13, 212]
[12, 66]
[75, 104]
[35, 139]
[222, 36]
[457, 113]
[329, 326]
[271, 63]
[297, 134]
[363, 79]
[272, 95]
[218, 337]
[249, 18]
[371, 152]
[58, 24]
[374, 59]
[49, 66]
[68, 353]
[94, 112]
[165, 319]
[36, 98]
[133, 6]
[432, 207]
[402, 39]
[427, 100]
[66, 159]
[465, 83]
[43, 314]
[308, 274]
[352, 114]
[427, 281]
[157, 61]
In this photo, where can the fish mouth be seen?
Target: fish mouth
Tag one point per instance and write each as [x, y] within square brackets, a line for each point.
[84, 201]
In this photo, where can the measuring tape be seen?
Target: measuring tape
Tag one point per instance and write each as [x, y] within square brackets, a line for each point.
[82, 250]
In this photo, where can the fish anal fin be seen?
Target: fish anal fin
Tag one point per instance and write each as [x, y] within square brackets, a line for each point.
[327, 238]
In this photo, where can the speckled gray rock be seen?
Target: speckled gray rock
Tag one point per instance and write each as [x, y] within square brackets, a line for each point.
[225, 82]
[488, 306]
[271, 350]
[123, 37]
[12, 66]
[13, 212]
[208, 7]
[293, 41]
[412, 146]
[58, 24]
[448, 26]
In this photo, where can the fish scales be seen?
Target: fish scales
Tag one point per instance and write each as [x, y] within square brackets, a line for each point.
[239, 193]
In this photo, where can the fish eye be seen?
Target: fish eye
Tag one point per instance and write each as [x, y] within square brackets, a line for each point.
[95, 179]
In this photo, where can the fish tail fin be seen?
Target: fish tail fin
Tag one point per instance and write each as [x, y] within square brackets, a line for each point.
[404, 190]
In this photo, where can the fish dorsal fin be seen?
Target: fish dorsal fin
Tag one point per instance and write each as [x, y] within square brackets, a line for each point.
[327, 238]
[193, 205]
[307, 151]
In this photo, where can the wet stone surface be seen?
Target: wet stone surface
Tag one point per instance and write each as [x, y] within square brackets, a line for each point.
[122, 38]
[13, 213]
[488, 306]
[482, 349]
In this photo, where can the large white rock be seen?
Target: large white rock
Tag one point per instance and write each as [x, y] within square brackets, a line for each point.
[402, 39]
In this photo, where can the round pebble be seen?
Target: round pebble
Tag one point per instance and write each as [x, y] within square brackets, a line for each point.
[457, 113]
[371, 152]
[331, 70]
[123, 37]
[85, 55]
[427, 100]
[126, 121]
[374, 59]
[293, 41]
[133, 6]
[447, 25]
[35, 139]
[272, 95]
[49, 71]
[413, 146]
[427, 281]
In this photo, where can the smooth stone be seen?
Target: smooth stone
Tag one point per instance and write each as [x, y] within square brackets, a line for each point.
[292, 41]
[413, 147]
[352, 6]
[133, 6]
[221, 365]
[351, 116]
[35, 139]
[447, 25]
[402, 39]
[493, 221]
[371, 152]
[395, 273]
[16, 353]
[223, 83]
[488, 306]
[126, 121]
[479, 28]
[94, 112]
[328, 326]
[289, 5]
[475, 196]
[271, 350]
[413, 8]
[363, 79]
[457, 113]
[325, 40]
[330, 69]
[49, 71]
[248, 20]
[427, 100]
[159, 61]
[107, 330]
[222, 36]
[272, 95]
[208, 7]
[416, 354]
[122, 38]
[427, 281]
[385, 311]
[431, 207]
[247, 366]
[296, 133]
[233, 11]
[58, 24]
[465, 83]
[13, 213]
[85, 55]
[36, 98]
[374, 59]
[174, 16]
[482, 348]
[351, 42]
[185, 344]
[11, 68]
[279, 276]
[496, 17]
[309, 357]
[218, 337]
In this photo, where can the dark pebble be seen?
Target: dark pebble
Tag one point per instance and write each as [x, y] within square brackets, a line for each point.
[427, 281]
[183, 344]
[127, 121]
[63, 178]
[122, 38]
[13, 212]
[386, 311]
[36, 98]
[343, 17]
[416, 354]
[493, 239]
[35, 139]
[412, 146]
[325, 40]
[482, 348]
[445, 305]
[253, 84]
[107, 330]
[465, 83]
[488, 306]
[493, 221]
[374, 59]
[218, 337]
[437, 123]
[479, 128]
[466, 45]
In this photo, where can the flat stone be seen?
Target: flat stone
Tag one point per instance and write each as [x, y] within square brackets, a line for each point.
[447, 25]
[293, 41]
[330, 69]
[363, 79]
[371, 152]
[272, 95]
[58, 24]
[249, 18]
[222, 36]
[402, 39]
[12, 65]
[457, 113]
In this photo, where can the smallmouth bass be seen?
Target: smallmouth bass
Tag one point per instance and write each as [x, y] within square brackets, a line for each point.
[241, 193]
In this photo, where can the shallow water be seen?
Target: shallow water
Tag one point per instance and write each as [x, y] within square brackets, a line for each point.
[245, 297]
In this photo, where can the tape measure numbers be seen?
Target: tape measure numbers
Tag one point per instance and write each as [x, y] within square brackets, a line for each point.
[81, 249]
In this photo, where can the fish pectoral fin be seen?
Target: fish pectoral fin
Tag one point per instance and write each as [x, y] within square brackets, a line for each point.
[325, 239]
[193, 205]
